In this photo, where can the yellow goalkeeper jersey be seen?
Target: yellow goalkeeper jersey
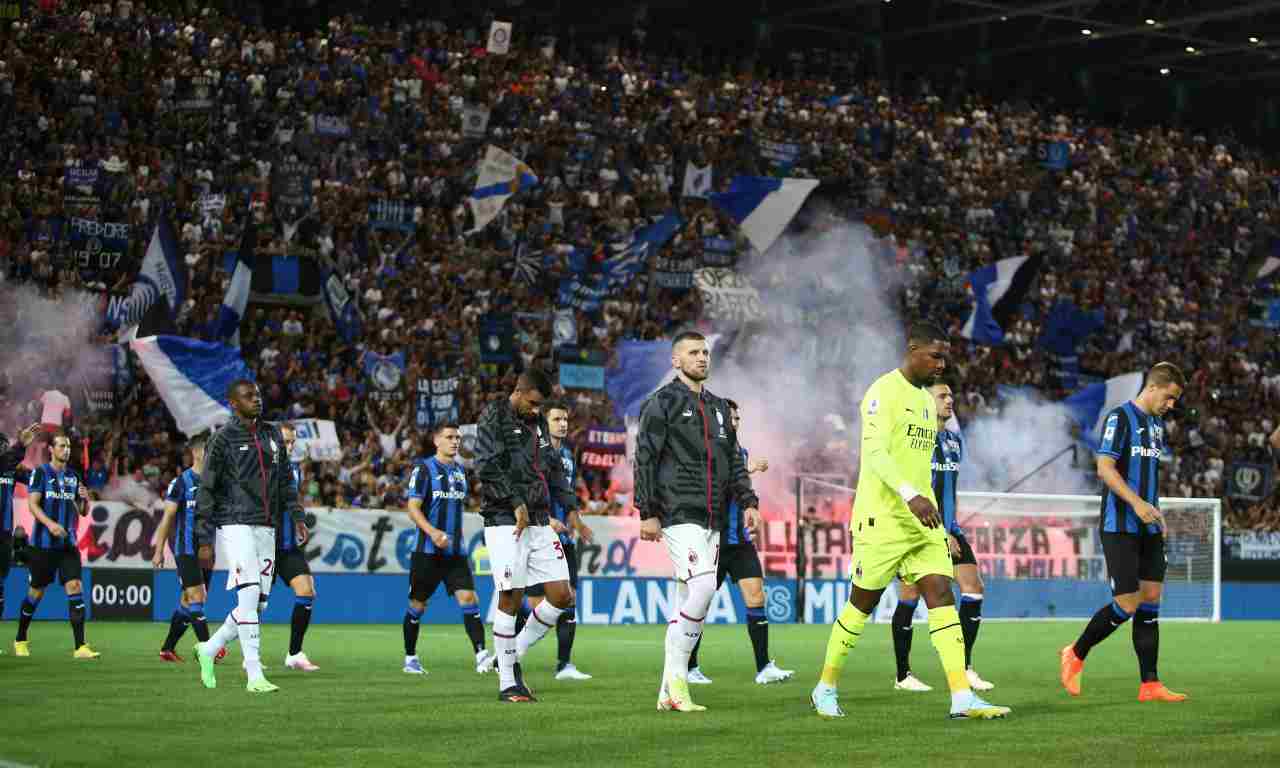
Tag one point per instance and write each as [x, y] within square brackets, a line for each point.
[899, 430]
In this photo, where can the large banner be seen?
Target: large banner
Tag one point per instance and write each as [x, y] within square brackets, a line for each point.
[727, 296]
[437, 401]
[604, 447]
[317, 440]
[80, 186]
[336, 126]
[778, 155]
[1249, 482]
[391, 214]
[98, 247]
[386, 375]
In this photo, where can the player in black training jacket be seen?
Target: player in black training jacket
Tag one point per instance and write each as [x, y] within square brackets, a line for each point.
[688, 468]
[521, 475]
[246, 489]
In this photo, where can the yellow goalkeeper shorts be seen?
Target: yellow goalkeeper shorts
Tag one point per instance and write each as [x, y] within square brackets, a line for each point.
[907, 552]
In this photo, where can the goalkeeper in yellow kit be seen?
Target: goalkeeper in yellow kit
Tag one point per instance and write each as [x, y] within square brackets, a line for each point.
[896, 526]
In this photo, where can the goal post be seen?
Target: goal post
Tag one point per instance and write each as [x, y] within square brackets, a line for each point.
[1040, 555]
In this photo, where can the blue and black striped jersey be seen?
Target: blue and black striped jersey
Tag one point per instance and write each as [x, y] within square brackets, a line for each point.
[182, 491]
[947, 455]
[1136, 441]
[287, 540]
[558, 510]
[7, 482]
[443, 489]
[735, 530]
[58, 492]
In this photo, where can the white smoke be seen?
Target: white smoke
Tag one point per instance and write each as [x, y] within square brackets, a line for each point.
[49, 344]
[799, 384]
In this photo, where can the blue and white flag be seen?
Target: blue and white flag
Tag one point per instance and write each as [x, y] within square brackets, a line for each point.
[1090, 406]
[162, 278]
[1062, 331]
[342, 308]
[1264, 265]
[998, 290]
[227, 327]
[623, 260]
[501, 176]
[763, 207]
[192, 378]
[697, 180]
[643, 368]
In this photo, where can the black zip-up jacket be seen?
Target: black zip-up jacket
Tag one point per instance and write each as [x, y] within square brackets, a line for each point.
[246, 480]
[517, 465]
[688, 465]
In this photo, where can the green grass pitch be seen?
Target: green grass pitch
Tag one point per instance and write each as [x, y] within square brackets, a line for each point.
[130, 709]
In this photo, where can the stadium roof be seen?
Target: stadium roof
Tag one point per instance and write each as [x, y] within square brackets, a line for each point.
[1199, 41]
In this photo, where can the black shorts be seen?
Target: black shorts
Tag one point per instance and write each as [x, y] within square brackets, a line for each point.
[966, 556]
[6, 550]
[191, 574]
[1133, 557]
[427, 571]
[290, 564]
[571, 562]
[738, 562]
[44, 564]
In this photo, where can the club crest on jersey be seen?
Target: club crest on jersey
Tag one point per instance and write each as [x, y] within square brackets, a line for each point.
[693, 558]
[873, 407]
[719, 417]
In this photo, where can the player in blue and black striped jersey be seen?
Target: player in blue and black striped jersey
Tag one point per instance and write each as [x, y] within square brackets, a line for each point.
[1132, 531]
[56, 501]
[948, 453]
[11, 473]
[566, 523]
[437, 495]
[292, 566]
[185, 542]
[740, 561]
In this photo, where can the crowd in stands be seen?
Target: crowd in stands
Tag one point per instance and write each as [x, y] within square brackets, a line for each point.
[1146, 231]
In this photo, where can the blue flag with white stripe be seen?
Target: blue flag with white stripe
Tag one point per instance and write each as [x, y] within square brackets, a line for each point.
[1090, 406]
[623, 260]
[763, 207]
[342, 307]
[227, 327]
[998, 290]
[192, 378]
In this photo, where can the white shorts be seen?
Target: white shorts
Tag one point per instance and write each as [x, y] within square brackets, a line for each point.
[250, 555]
[535, 558]
[693, 550]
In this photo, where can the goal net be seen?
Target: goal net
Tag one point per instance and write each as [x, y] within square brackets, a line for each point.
[1040, 556]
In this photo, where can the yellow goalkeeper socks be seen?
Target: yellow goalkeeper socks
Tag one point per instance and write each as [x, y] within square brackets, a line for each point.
[948, 638]
[844, 635]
